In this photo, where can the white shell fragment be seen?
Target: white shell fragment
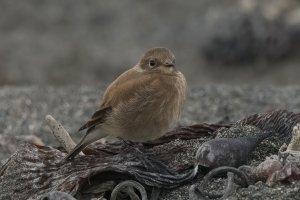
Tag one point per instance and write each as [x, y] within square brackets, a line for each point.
[61, 134]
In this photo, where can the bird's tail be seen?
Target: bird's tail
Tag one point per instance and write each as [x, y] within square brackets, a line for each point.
[77, 149]
[90, 137]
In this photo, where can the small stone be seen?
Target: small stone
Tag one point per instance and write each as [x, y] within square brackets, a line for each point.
[257, 195]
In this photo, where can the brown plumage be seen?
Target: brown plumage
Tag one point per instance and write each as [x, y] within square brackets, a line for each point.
[142, 104]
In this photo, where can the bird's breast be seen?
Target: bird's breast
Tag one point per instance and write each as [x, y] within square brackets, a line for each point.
[151, 112]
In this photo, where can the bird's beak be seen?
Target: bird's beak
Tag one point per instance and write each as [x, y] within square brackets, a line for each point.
[169, 63]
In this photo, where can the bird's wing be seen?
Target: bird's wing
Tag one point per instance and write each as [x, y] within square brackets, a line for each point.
[126, 86]
[120, 90]
[97, 118]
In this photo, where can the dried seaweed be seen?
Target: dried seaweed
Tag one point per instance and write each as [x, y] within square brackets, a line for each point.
[45, 170]
[188, 133]
[280, 121]
[198, 193]
[33, 171]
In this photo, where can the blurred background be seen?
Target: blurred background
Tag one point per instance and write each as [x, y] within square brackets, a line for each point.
[91, 42]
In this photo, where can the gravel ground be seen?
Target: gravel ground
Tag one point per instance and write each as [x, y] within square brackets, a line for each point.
[23, 110]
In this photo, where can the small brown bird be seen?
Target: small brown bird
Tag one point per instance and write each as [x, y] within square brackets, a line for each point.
[142, 104]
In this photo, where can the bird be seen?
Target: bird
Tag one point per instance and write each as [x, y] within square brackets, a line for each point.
[141, 105]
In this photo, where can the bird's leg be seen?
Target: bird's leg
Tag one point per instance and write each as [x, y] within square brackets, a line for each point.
[136, 151]
[132, 146]
[148, 159]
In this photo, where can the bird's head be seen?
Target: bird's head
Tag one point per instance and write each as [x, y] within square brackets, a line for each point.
[158, 59]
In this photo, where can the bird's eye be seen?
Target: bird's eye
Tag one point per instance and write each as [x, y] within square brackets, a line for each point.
[152, 63]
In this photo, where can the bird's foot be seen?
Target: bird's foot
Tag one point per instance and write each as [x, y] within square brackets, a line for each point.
[149, 159]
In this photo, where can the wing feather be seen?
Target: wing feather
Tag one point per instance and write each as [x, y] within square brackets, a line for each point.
[97, 118]
[126, 86]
